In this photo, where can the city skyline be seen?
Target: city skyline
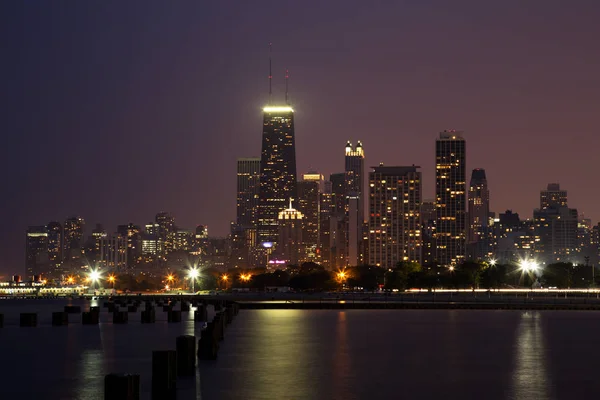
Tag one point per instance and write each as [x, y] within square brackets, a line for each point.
[507, 139]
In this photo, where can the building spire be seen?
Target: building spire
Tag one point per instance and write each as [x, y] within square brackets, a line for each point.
[287, 75]
[291, 200]
[270, 73]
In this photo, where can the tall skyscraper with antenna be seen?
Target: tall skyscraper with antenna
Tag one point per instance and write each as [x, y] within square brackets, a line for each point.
[277, 165]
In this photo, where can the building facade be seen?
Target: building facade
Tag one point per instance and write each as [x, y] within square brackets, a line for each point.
[394, 215]
[277, 170]
[451, 198]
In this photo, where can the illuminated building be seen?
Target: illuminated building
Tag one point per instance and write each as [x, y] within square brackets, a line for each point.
[428, 218]
[290, 246]
[73, 230]
[113, 252]
[394, 215]
[151, 243]
[337, 221]
[133, 233]
[556, 225]
[354, 196]
[553, 197]
[36, 251]
[325, 213]
[55, 244]
[479, 205]
[201, 239]
[309, 205]
[450, 177]
[166, 232]
[243, 232]
[277, 170]
[184, 240]
[99, 236]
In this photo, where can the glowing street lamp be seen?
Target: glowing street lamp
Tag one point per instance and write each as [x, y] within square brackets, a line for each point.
[245, 277]
[225, 278]
[112, 280]
[193, 273]
[94, 276]
[70, 280]
[530, 267]
[492, 262]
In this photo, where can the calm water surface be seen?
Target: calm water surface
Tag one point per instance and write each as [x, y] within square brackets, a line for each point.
[317, 354]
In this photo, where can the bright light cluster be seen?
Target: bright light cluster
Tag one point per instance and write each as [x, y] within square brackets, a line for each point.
[529, 266]
[278, 109]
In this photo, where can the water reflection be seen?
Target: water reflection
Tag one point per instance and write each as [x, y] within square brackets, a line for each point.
[341, 358]
[530, 378]
[91, 376]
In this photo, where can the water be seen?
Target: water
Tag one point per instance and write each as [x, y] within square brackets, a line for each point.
[318, 354]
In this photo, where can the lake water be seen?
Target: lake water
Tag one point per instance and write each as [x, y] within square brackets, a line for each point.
[317, 354]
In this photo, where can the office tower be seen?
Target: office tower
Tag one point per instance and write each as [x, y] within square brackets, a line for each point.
[556, 225]
[451, 199]
[290, 235]
[325, 213]
[277, 170]
[201, 239]
[133, 233]
[243, 232]
[151, 244]
[354, 194]
[73, 239]
[248, 189]
[55, 244]
[166, 232]
[553, 197]
[113, 252]
[395, 220]
[309, 205]
[99, 235]
[428, 218]
[479, 205]
[36, 250]
[337, 221]
[184, 240]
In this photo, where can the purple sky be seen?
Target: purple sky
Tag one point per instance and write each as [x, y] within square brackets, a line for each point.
[116, 110]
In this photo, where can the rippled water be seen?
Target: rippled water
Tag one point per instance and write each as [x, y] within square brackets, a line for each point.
[319, 354]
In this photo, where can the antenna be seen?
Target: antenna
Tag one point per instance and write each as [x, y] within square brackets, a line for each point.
[270, 74]
[287, 75]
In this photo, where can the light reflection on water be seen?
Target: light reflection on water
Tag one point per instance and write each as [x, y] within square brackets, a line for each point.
[321, 354]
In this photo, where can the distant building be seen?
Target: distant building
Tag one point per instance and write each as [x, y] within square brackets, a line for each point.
[290, 235]
[337, 222]
[479, 205]
[166, 232]
[553, 197]
[428, 219]
[55, 245]
[113, 252]
[36, 251]
[450, 177]
[184, 240]
[395, 221]
[243, 232]
[325, 215]
[277, 170]
[355, 204]
[133, 233]
[73, 239]
[309, 205]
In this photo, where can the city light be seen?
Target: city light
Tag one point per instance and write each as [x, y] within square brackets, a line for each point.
[112, 279]
[529, 266]
[193, 273]
[225, 278]
[245, 277]
[170, 278]
[492, 262]
[278, 109]
[70, 280]
[94, 275]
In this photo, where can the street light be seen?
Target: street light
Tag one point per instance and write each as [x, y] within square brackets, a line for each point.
[112, 280]
[193, 274]
[225, 278]
[94, 276]
[245, 277]
[492, 262]
[70, 280]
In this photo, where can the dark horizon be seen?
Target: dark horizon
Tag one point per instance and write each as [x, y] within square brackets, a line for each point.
[115, 111]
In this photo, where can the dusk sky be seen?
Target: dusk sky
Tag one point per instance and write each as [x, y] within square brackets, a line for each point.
[116, 110]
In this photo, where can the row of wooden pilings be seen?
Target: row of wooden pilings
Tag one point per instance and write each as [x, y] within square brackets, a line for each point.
[168, 365]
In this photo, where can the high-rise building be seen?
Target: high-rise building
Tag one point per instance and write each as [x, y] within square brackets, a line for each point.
[479, 205]
[556, 225]
[133, 233]
[113, 252]
[428, 219]
[99, 236]
[553, 197]
[337, 221]
[451, 198]
[36, 250]
[73, 239]
[55, 244]
[184, 240]
[277, 170]
[354, 196]
[248, 189]
[309, 205]
[325, 214]
[394, 215]
[166, 232]
[290, 242]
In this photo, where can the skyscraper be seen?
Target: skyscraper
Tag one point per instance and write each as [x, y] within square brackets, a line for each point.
[73, 231]
[36, 250]
[248, 189]
[354, 193]
[451, 199]
[277, 170]
[337, 222]
[325, 213]
[55, 244]
[166, 232]
[394, 209]
[479, 205]
[243, 232]
[553, 197]
[133, 233]
[308, 204]
[290, 235]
